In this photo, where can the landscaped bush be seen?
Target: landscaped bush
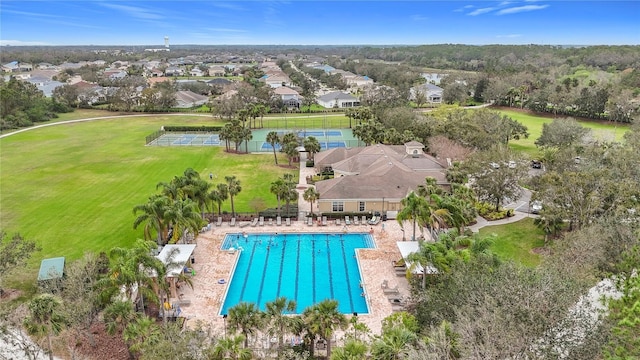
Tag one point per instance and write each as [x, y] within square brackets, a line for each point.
[309, 163]
[488, 211]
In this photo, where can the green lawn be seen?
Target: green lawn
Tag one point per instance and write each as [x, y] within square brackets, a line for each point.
[516, 240]
[72, 187]
[601, 130]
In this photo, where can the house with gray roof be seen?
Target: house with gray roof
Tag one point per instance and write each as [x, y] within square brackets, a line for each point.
[432, 93]
[189, 99]
[374, 178]
[338, 99]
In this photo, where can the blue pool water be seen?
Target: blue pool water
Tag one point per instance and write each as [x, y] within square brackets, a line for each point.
[307, 268]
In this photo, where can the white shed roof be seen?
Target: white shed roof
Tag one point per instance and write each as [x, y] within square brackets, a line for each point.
[408, 247]
[181, 257]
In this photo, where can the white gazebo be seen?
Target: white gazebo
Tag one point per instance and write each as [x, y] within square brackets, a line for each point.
[176, 257]
[409, 247]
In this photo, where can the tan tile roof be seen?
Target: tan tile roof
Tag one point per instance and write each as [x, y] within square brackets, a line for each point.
[375, 171]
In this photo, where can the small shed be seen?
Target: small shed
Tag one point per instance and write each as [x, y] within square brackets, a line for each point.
[51, 269]
[176, 257]
[408, 247]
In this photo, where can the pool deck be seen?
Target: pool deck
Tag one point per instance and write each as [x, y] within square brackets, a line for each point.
[204, 301]
[212, 264]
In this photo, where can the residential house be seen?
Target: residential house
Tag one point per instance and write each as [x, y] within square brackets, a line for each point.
[44, 84]
[155, 72]
[112, 74]
[174, 71]
[16, 66]
[276, 81]
[338, 99]
[290, 97]
[156, 80]
[196, 72]
[374, 178]
[217, 71]
[189, 99]
[433, 93]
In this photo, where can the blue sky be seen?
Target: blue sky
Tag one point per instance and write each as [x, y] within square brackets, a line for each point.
[301, 22]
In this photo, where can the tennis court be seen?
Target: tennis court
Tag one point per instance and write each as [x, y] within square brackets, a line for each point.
[176, 139]
[328, 139]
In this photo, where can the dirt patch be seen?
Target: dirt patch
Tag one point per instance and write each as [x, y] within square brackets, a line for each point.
[106, 346]
[9, 294]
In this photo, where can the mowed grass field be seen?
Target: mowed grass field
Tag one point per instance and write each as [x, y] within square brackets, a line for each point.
[72, 187]
[600, 130]
[515, 241]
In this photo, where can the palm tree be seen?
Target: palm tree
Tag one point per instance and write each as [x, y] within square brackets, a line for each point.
[129, 271]
[290, 196]
[279, 189]
[352, 350]
[118, 315]
[312, 146]
[414, 209]
[153, 215]
[311, 195]
[429, 187]
[276, 314]
[230, 348]
[323, 318]
[143, 331]
[394, 343]
[45, 318]
[234, 188]
[183, 215]
[219, 195]
[246, 318]
[273, 139]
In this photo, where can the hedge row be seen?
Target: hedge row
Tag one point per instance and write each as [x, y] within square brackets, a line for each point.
[202, 128]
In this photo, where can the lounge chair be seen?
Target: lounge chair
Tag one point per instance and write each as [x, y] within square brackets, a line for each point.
[337, 221]
[364, 220]
[287, 221]
[254, 222]
[310, 221]
[279, 221]
[387, 290]
[219, 223]
[261, 221]
[355, 220]
[233, 222]
[324, 221]
[391, 291]
[374, 220]
[270, 221]
[347, 221]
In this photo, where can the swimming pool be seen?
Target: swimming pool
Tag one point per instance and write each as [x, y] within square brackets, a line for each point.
[307, 267]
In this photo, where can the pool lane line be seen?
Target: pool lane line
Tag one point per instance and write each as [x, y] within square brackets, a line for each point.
[297, 269]
[246, 275]
[264, 272]
[346, 271]
[329, 265]
[284, 245]
[313, 267]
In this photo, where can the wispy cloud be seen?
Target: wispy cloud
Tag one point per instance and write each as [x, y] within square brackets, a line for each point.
[519, 9]
[509, 36]
[30, 14]
[135, 11]
[227, 5]
[481, 11]
[464, 8]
